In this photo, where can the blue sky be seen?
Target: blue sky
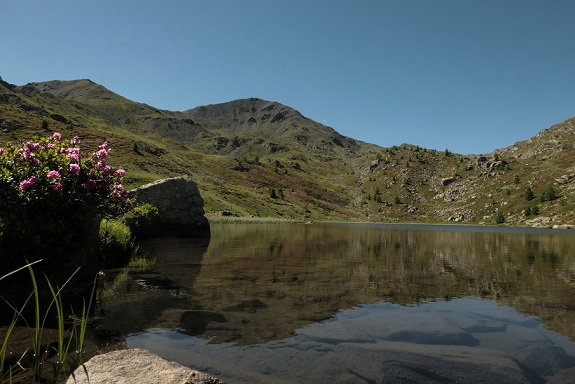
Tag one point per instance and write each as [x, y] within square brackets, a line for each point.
[470, 76]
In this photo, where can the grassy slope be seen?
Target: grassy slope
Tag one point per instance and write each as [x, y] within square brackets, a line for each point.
[238, 152]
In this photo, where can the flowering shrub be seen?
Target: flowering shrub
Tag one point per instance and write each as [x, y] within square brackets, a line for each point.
[50, 182]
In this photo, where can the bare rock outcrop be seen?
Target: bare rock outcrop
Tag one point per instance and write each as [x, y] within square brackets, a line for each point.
[179, 204]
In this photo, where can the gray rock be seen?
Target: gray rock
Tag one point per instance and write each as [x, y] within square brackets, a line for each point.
[547, 360]
[566, 376]
[131, 366]
[412, 363]
[179, 204]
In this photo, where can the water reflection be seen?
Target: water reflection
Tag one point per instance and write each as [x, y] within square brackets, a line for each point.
[257, 284]
[463, 341]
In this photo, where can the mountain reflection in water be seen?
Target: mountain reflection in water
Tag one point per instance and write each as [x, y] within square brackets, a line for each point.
[257, 295]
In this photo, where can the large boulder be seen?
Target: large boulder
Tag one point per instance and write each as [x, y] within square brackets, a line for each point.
[136, 366]
[179, 204]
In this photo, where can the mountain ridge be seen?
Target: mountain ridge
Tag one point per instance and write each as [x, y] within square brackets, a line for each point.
[254, 157]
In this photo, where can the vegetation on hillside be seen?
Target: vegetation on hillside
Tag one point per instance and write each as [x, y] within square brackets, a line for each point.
[256, 158]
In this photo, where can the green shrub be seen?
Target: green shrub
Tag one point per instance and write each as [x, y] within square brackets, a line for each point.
[117, 245]
[529, 195]
[548, 194]
[142, 219]
[51, 190]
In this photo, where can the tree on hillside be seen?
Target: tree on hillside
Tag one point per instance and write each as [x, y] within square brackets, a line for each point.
[529, 195]
[273, 194]
[548, 194]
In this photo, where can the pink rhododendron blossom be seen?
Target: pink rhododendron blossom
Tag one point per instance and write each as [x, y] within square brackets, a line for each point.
[118, 190]
[53, 175]
[26, 153]
[75, 169]
[72, 153]
[107, 170]
[32, 145]
[57, 187]
[102, 154]
[25, 185]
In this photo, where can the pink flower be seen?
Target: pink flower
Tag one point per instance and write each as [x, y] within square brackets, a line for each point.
[105, 146]
[57, 187]
[25, 185]
[102, 154]
[32, 145]
[2, 150]
[75, 169]
[53, 175]
[118, 191]
[107, 170]
[56, 136]
[75, 141]
[120, 172]
[72, 153]
[26, 153]
[50, 146]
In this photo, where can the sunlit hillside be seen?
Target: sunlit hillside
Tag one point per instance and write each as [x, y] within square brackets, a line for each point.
[258, 158]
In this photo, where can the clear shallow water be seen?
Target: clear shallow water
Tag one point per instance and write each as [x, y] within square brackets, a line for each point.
[357, 303]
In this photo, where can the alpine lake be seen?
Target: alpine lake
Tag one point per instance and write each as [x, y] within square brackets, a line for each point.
[355, 303]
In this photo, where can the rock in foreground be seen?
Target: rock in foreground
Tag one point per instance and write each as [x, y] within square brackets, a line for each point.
[131, 366]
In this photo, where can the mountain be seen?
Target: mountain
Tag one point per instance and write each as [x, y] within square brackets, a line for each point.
[253, 157]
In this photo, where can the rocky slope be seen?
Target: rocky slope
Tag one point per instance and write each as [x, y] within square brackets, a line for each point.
[253, 157]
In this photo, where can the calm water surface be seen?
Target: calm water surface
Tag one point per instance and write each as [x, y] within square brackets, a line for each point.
[347, 303]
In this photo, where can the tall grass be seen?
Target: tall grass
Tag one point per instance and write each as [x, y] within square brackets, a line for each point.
[37, 359]
[117, 245]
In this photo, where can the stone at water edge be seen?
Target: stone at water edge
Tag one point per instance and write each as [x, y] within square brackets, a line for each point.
[136, 366]
[179, 204]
